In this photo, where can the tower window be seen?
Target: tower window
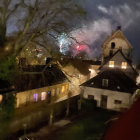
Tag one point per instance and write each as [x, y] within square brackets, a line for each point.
[105, 82]
[111, 64]
[112, 45]
[124, 65]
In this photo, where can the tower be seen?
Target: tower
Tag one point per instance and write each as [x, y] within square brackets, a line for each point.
[117, 41]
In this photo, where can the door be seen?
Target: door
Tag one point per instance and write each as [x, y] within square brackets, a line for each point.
[103, 101]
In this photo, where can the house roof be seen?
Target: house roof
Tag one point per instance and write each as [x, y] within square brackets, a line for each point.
[117, 81]
[78, 64]
[33, 79]
[117, 34]
[127, 60]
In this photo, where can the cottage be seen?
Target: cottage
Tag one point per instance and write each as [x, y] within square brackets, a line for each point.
[114, 85]
[41, 83]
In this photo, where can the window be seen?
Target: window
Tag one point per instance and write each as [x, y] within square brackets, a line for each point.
[57, 91]
[117, 102]
[112, 45]
[124, 65]
[35, 97]
[105, 82]
[53, 92]
[1, 98]
[63, 89]
[43, 96]
[111, 64]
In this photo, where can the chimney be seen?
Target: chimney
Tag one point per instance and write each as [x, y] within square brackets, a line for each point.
[119, 27]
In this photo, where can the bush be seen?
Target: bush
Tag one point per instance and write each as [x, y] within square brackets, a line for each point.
[89, 104]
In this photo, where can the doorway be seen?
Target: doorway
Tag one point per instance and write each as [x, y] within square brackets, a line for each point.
[103, 101]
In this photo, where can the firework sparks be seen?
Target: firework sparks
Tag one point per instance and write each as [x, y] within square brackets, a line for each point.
[63, 43]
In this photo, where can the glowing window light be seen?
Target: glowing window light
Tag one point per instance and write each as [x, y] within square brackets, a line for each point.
[53, 92]
[43, 96]
[124, 65]
[1, 97]
[57, 91]
[111, 64]
[63, 89]
[35, 97]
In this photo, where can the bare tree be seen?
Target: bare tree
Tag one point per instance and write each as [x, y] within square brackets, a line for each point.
[37, 21]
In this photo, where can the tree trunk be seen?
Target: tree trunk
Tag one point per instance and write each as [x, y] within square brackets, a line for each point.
[2, 35]
[51, 117]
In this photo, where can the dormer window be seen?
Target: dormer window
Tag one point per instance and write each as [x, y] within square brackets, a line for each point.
[124, 65]
[111, 64]
[105, 82]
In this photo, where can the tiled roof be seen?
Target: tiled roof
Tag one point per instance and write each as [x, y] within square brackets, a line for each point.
[117, 81]
[127, 60]
[31, 79]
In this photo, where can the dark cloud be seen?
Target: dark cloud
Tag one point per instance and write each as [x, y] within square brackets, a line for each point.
[104, 15]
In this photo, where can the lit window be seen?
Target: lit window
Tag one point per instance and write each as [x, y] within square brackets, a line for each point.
[111, 64]
[63, 89]
[53, 92]
[117, 102]
[35, 97]
[1, 98]
[105, 82]
[57, 91]
[43, 96]
[124, 65]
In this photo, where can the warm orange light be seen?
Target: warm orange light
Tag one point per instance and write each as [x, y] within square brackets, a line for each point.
[111, 64]
[63, 89]
[124, 65]
[1, 98]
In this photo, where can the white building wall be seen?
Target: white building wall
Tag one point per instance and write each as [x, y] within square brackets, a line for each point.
[111, 97]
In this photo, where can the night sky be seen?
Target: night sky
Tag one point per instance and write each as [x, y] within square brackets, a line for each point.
[103, 16]
[110, 13]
